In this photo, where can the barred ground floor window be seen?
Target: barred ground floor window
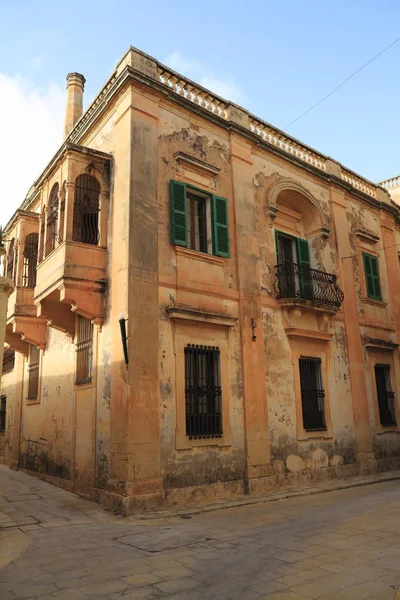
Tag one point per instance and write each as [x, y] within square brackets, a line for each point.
[203, 391]
[84, 351]
[3, 402]
[312, 394]
[33, 372]
[385, 395]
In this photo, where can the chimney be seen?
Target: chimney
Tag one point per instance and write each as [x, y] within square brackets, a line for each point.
[74, 107]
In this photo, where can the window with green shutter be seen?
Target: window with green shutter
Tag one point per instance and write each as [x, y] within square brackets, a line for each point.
[219, 217]
[178, 213]
[372, 280]
[192, 212]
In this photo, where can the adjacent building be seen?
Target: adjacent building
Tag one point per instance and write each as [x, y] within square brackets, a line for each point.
[203, 305]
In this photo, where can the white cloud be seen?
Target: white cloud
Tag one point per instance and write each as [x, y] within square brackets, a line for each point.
[221, 85]
[31, 131]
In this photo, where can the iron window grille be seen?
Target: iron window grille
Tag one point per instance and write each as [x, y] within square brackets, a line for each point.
[312, 394]
[3, 405]
[8, 361]
[30, 260]
[385, 395]
[10, 260]
[203, 397]
[33, 372]
[84, 351]
[86, 210]
[52, 219]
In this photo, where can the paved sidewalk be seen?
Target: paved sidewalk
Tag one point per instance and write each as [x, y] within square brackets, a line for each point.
[336, 546]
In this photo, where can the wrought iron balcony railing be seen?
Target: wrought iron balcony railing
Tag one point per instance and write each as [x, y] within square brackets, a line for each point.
[295, 281]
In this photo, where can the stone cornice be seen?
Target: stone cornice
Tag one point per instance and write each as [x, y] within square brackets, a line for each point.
[141, 68]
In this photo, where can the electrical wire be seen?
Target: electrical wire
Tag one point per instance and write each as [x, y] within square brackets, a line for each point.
[340, 85]
[377, 250]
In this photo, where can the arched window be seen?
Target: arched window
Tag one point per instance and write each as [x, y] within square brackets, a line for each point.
[30, 260]
[62, 213]
[10, 260]
[86, 210]
[52, 219]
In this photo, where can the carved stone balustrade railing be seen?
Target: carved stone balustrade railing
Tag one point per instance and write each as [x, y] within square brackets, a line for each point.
[287, 144]
[358, 183]
[196, 94]
[192, 92]
[391, 183]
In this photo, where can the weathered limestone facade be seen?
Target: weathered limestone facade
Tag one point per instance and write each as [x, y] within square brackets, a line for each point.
[123, 433]
[6, 287]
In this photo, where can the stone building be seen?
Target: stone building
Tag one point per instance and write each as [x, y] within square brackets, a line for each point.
[257, 282]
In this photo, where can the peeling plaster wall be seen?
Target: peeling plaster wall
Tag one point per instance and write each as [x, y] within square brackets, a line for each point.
[136, 443]
[11, 388]
[47, 424]
[202, 286]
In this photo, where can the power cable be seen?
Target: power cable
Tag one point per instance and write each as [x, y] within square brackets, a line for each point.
[376, 250]
[340, 85]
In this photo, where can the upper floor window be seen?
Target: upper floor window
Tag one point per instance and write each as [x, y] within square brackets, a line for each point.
[86, 210]
[372, 279]
[52, 219]
[30, 260]
[199, 220]
[293, 265]
[385, 395]
[10, 260]
[312, 394]
[8, 361]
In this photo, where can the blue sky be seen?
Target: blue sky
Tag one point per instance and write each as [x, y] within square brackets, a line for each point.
[275, 58]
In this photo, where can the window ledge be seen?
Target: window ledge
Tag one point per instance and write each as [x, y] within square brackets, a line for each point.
[380, 344]
[387, 429]
[83, 386]
[187, 444]
[308, 305]
[374, 302]
[184, 313]
[202, 256]
[306, 436]
[32, 401]
[199, 164]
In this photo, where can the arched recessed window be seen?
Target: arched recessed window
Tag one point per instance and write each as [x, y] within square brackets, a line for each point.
[10, 260]
[86, 210]
[52, 219]
[62, 213]
[30, 260]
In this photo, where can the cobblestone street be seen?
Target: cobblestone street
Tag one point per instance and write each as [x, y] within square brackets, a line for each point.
[336, 545]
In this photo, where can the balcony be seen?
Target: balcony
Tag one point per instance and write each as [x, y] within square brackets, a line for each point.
[300, 285]
[23, 326]
[72, 278]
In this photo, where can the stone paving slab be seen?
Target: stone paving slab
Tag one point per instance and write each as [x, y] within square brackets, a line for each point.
[341, 545]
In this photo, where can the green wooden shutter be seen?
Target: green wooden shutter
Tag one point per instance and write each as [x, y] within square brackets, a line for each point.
[278, 254]
[178, 213]
[372, 279]
[303, 260]
[220, 228]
